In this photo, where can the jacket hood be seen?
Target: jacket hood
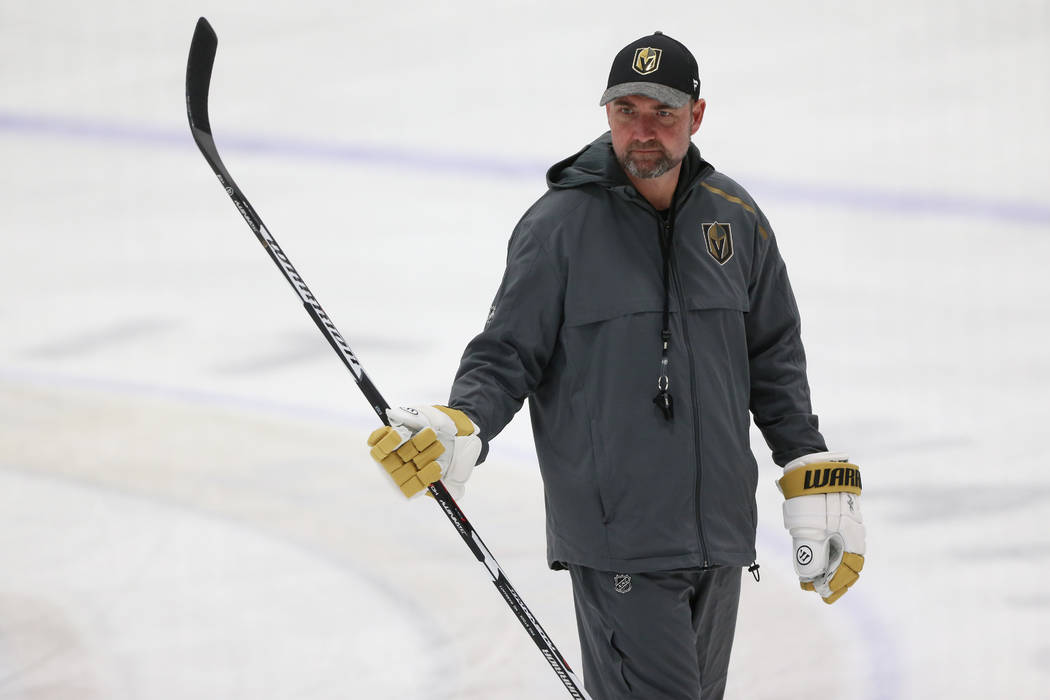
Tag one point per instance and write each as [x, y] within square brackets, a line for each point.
[596, 164]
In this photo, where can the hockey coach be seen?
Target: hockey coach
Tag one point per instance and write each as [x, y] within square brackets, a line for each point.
[645, 310]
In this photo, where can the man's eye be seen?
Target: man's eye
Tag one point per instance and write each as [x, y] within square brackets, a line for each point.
[663, 114]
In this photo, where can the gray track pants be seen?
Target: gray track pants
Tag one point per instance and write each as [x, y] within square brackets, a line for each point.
[656, 635]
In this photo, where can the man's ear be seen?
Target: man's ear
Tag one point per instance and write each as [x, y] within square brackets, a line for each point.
[697, 115]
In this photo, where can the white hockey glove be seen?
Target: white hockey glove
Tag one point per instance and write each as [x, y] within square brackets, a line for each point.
[822, 513]
[425, 443]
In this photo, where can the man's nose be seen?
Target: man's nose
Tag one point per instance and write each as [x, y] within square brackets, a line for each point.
[645, 128]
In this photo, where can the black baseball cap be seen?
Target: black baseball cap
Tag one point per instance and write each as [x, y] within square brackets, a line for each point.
[655, 66]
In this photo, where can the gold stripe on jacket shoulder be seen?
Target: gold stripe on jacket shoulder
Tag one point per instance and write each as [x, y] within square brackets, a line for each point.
[821, 477]
[736, 200]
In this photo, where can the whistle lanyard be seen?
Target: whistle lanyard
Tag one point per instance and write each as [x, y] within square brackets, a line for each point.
[663, 383]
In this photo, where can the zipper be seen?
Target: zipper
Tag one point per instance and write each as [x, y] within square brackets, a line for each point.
[698, 480]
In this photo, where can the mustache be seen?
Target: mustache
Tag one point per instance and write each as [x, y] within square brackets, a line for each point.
[645, 146]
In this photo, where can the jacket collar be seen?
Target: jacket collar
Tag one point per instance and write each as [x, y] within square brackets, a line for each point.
[596, 164]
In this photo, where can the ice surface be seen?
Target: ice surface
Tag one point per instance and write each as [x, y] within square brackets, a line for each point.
[185, 506]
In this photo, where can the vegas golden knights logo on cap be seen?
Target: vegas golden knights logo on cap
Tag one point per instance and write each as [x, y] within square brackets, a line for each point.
[646, 60]
[719, 241]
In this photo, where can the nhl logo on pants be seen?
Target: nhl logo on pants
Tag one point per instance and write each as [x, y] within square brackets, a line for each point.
[622, 583]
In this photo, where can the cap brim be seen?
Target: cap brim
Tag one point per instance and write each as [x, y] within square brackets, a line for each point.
[667, 95]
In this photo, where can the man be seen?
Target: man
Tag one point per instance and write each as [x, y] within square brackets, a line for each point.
[644, 311]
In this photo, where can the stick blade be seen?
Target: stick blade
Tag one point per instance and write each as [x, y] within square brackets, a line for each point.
[198, 75]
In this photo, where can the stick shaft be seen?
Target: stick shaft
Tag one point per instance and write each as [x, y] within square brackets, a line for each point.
[198, 82]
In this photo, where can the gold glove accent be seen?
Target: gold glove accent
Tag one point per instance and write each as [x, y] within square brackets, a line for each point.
[821, 477]
[845, 576]
[412, 465]
[463, 424]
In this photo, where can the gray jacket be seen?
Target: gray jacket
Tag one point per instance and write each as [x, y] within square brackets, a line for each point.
[576, 328]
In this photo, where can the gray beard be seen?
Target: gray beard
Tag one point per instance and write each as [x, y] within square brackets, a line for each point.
[650, 170]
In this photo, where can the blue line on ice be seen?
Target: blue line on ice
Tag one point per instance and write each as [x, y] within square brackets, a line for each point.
[860, 198]
[884, 675]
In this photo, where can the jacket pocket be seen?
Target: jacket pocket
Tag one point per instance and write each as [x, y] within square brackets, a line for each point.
[601, 475]
[720, 299]
[584, 312]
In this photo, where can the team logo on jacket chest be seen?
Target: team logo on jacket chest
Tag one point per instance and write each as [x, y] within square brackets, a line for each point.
[719, 239]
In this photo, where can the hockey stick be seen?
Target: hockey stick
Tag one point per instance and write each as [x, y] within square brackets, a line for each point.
[198, 82]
